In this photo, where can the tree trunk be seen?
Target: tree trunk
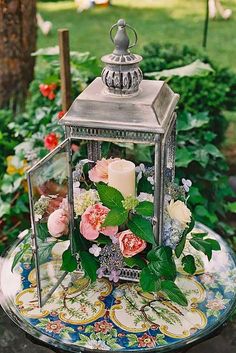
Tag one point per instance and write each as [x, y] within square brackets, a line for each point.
[17, 42]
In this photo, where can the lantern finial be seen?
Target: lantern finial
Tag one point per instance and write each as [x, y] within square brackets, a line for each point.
[122, 74]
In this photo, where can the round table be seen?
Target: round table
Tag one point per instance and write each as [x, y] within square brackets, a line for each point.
[101, 316]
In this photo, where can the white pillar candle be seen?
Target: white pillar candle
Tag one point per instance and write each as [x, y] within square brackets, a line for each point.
[121, 175]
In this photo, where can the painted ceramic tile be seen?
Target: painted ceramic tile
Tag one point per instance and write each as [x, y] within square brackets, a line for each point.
[103, 316]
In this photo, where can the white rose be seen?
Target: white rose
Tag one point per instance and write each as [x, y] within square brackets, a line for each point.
[179, 211]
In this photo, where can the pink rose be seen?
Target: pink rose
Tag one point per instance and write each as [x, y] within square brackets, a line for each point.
[92, 220]
[130, 244]
[58, 222]
[100, 171]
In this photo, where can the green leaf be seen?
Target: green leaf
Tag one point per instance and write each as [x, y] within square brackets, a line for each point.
[106, 146]
[135, 261]
[202, 213]
[142, 228]
[188, 263]
[201, 156]
[44, 251]
[201, 245]
[103, 239]
[69, 262]
[42, 231]
[148, 281]
[188, 121]
[213, 150]
[89, 264]
[144, 186]
[197, 69]
[214, 244]
[4, 208]
[183, 157]
[162, 263]
[19, 255]
[231, 206]
[180, 247]
[195, 195]
[142, 153]
[199, 235]
[145, 208]
[173, 292]
[116, 217]
[110, 197]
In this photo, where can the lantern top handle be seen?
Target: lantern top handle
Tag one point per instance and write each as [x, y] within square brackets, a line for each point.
[121, 74]
[121, 39]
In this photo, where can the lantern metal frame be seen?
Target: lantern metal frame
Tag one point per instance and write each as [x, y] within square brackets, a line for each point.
[118, 107]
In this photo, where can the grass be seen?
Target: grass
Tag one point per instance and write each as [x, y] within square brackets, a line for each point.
[177, 21]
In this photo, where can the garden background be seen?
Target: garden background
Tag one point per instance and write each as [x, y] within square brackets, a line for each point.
[170, 36]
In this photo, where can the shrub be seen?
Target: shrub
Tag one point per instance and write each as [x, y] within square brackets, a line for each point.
[201, 129]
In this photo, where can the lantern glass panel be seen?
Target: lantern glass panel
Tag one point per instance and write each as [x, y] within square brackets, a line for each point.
[48, 189]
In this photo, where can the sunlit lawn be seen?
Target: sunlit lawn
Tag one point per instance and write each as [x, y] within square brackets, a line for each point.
[178, 21]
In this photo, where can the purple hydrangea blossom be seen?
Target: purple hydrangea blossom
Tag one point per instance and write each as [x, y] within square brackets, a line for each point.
[114, 275]
[186, 184]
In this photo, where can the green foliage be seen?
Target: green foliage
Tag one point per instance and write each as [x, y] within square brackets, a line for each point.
[201, 127]
[142, 228]
[116, 217]
[173, 292]
[69, 262]
[23, 135]
[188, 263]
[134, 261]
[204, 245]
[145, 208]
[89, 264]
[180, 247]
[160, 273]
[110, 197]
[7, 138]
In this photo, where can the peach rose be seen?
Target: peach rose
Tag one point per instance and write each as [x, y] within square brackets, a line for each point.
[179, 211]
[58, 222]
[100, 171]
[130, 244]
[92, 220]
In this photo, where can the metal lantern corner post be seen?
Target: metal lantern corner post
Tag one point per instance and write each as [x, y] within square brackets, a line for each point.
[118, 107]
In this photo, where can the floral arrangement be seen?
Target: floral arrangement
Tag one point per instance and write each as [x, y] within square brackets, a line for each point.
[113, 208]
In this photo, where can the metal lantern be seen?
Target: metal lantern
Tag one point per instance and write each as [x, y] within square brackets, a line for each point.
[119, 108]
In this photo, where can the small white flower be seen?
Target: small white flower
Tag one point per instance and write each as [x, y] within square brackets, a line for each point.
[23, 234]
[83, 199]
[76, 187]
[140, 168]
[37, 217]
[167, 198]
[114, 239]
[151, 180]
[94, 344]
[143, 196]
[186, 184]
[95, 250]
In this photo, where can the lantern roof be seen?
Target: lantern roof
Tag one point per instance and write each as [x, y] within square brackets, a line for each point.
[150, 110]
[120, 100]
